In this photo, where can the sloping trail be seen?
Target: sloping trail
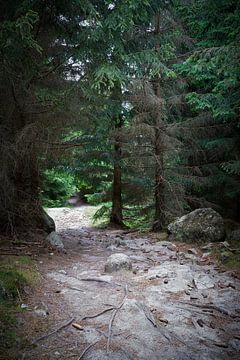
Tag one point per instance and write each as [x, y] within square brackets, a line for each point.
[174, 305]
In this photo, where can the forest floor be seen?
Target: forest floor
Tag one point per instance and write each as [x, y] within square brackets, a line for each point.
[177, 303]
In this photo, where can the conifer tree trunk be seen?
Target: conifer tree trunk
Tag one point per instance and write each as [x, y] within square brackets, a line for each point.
[116, 216]
[158, 148]
[159, 183]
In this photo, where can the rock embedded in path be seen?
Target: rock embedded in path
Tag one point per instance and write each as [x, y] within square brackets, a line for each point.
[55, 241]
[199, 225]
[117, 262]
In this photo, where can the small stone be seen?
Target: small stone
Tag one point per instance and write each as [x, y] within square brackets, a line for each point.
[165, 281]
[40, 312]
[187, 292]
[57, 354]
[171, 247]
[193, 297]
[74, 267]
[51, 254]
[204, 256]
[158, 276]
[134, 271]
[62, 272]
[152, 278]
[193, 251]
[24, 306]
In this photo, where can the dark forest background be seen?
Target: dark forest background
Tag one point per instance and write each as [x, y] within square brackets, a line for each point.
[134, 104]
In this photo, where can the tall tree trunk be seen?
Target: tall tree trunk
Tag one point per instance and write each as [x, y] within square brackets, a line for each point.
[158, 148]
[159, 182]
[20, 208]
[116, 216]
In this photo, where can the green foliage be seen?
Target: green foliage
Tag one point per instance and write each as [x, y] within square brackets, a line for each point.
[214, 98]
[103, 213]
[57, 187]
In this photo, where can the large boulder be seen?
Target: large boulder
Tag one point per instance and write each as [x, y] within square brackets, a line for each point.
[54, 240]
[117, 262]
[199, 225]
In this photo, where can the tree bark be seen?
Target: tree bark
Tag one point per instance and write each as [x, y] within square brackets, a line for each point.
[158, 148]
[116, 216]
[159, 183]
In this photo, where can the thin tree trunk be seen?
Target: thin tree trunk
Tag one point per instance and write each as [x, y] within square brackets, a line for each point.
[116, 216]
[159, 183]
[158, 146]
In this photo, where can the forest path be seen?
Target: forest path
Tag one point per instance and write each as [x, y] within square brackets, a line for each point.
[174, 305]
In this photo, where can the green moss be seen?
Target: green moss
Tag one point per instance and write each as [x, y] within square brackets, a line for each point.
[230, 259]
[16, 273]
[11, 283]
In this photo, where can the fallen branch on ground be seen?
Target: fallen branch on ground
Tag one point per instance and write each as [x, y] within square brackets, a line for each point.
[99, 314]
[100, 280]
[113, 317]
[87, 348]
[53, 332]
[74, 288]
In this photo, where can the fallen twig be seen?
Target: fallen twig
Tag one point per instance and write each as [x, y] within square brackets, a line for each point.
[74, 288]
[99, 314]
[151, 318]
[147, 313]
[87, 348]
[54, 332]
[100, 280]
[113, 317]
[130, 231]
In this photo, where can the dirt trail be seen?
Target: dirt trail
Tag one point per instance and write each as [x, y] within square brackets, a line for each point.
[174, 305]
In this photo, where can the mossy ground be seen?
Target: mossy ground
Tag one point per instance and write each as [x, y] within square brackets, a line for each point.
[16, 274]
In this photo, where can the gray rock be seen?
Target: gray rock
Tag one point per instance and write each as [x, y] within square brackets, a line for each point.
[193, 251]
[48, 223]
[117, 262]
[172, 247]
[57, 354]
[40, 312]
[55, 241]
[199, 225]
[62, 272]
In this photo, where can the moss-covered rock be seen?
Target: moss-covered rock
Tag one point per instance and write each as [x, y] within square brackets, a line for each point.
[199, 225]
